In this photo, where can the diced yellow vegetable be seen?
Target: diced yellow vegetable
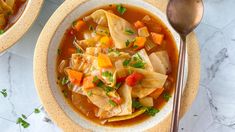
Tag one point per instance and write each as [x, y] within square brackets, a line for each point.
[139, 43]
[138, 24]
[133, 115]
[106, 42]
[78, 25]
[104, 61]
[74, 76]
[146, 101]
[143, 32]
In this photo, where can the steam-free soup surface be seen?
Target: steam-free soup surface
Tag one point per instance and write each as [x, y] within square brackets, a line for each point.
[116, 65]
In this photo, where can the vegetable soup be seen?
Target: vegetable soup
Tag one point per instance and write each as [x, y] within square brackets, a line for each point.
[117, 65]
[10, 11]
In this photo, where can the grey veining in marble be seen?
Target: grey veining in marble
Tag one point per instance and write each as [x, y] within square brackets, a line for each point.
[212, 111]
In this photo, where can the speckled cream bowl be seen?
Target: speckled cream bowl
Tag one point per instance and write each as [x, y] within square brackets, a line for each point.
[22, 25]
[45, 68]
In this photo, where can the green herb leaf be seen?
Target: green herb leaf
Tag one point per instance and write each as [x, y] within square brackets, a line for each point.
[22, 122]
[91, 28]
[95, 79]
[24, 116]
[89, 93]
[121, 9]
[65, 92]
[118, 85]
[59, 51]
[108, 89]
[136, 104]
[135, 46]
[79, 51]
[107, 74]
[139, 64]
[64, 81]
[36, 110]
[151, 111]
[128, 43]
[126, 62]
[166, 96]
[100, 84]
[1, 32]
[129, 31]
[112, 103]
[4, 93]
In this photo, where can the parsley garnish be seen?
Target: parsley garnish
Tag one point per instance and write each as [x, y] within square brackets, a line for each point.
[4, 93]
[121, 9]
[108, 89]
[1, 32]
[112, 103]
[36, 110]
[166, 96]
[128, 43]
[126, 62]
[138, 64]
[24, 116]
[95, 79]
[118, 85]
[65, 92]
[91, 28]
[89, 93]
[129, 31]
[135, 46]
[136, 104]
[59, 51]
[151, 111]
[108, 74]
[64, 80]
[22, 122]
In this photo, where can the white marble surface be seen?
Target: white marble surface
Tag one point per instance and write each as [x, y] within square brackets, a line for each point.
[212, 111]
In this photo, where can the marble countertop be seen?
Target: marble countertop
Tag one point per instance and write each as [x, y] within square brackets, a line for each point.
[212, 111]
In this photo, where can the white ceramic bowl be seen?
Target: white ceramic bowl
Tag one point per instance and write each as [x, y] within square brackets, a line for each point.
[45, 66]
[22, 25]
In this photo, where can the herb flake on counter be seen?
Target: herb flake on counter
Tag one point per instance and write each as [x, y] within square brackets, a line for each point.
[36, 111]
[121, 9]
[4, 93]
[22, 122]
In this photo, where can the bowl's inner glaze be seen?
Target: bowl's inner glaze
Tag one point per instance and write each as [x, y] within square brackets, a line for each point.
[52, 55]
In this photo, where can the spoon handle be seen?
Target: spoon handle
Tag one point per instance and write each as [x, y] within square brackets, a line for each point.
[179, 85]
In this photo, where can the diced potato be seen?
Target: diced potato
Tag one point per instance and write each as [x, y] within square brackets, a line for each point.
[146, 101]
[143, 32]
[101, 30]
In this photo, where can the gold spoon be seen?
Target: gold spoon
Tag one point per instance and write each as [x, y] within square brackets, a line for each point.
[184, 16]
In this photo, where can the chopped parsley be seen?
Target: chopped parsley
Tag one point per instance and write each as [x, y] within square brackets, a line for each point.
[91, 28]
[129, 31]
[59, 51]
[112, 103]
[95, 79]
[1, 32]
[121, 9]
[139, 64]
[166, 96]
[135, 46]
[64, 80]
[128, 43]
[100, 84]
[4, 93]
[108, 89]
[126, 62]
[79, 50]
[36, 110]
[151, 111]
[22, 122]
[89, 93]
[118, 85]
[136, 104]
[108, 75]
[65, 92]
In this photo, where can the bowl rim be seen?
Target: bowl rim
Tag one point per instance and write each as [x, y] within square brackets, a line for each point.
[40, 67]
[22, 25]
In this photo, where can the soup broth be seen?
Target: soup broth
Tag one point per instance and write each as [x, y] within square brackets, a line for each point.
[148, 62]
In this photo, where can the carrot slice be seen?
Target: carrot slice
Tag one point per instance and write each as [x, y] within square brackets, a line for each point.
[78, 25]
[138, 24]
[74, 76]
[88, 82]
[104, 61]
[155, 94]
[157, 38]
[139, 43]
